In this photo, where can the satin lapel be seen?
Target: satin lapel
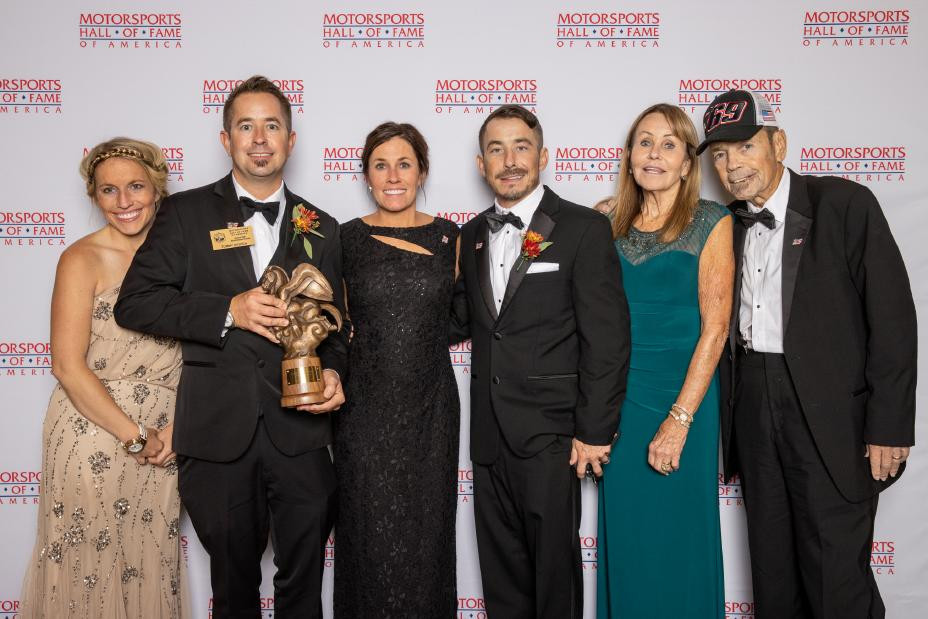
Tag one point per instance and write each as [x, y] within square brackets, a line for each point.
[798, 224]
[482, 255]
[543, 224]
[739, 234]
[232, 213]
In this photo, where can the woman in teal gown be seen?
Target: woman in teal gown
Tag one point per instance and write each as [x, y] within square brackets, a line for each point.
[660, 552]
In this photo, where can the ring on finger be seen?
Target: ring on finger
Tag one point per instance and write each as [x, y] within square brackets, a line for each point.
[665, 467]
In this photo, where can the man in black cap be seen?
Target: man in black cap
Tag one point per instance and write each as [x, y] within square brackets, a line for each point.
[820, 371]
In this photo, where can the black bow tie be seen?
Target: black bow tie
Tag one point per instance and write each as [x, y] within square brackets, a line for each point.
[268, 209]
[749, 218]
[496, 221]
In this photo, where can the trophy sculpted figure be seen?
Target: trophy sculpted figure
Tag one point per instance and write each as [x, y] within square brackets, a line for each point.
[308, 294]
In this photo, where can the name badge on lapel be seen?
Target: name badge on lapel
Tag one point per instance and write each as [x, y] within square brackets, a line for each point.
[232, 237]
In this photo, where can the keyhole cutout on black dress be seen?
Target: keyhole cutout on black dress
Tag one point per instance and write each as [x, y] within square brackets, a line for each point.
[401, 244]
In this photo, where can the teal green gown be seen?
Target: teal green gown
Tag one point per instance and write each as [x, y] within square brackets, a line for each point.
[660, 549]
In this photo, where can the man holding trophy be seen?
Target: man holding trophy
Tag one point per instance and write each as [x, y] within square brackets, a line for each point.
[246, 464]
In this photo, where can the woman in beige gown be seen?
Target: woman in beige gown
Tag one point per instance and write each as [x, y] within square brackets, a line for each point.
[108, 541]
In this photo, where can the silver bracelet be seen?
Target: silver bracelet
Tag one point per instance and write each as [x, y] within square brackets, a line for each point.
[683, 418]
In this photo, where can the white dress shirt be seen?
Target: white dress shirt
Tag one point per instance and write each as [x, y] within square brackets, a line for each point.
[506, 245]
[267, 236]
[761, 312]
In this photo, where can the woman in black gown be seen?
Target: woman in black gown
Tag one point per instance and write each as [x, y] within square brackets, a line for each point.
[396, 444]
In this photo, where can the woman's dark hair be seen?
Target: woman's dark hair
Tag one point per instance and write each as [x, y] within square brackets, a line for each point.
[385, 132]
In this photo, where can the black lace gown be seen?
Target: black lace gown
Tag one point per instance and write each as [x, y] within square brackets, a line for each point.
[396, 439]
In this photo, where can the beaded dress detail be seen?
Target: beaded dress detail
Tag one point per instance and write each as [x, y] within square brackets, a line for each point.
[108, 531]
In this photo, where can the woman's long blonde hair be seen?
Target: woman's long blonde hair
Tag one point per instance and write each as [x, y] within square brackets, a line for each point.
[630, 196]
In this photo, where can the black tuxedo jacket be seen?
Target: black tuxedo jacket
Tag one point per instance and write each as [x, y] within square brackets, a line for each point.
[179, 287]
[554, 361]
[849, 329]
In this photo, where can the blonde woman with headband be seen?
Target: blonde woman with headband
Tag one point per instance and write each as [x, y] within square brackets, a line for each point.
[107, 542]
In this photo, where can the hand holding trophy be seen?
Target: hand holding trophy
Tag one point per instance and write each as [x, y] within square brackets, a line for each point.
[307, 293]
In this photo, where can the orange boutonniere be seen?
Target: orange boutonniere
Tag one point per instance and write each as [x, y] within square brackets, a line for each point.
[532, 245]
[305, 222]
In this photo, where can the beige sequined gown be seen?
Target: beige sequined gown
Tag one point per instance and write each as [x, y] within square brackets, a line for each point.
[108, 542]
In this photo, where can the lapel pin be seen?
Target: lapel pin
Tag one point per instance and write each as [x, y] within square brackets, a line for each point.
[444, 239]
[478, 245]
[797, 241]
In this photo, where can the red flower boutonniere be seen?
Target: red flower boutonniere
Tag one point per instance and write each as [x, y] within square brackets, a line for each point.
[532, 245]
[305, 222]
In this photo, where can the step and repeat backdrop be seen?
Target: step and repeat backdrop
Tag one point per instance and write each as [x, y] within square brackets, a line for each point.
[842, 77]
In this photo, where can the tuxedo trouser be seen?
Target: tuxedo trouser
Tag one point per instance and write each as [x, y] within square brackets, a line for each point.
[810, 547]
[527, 513]
[233, 506]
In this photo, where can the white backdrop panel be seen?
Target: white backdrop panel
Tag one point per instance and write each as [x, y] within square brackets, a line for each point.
[841, 76]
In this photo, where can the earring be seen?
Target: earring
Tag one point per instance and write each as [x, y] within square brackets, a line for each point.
[370, 189]
[683, 177]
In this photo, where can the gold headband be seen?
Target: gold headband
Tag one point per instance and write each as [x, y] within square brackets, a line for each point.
[120, 151]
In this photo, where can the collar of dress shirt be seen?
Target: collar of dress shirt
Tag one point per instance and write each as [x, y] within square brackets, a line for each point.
[777, 203]
[524, 209]
[277, 196]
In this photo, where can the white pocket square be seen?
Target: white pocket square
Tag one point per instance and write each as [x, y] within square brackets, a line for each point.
[542, 267]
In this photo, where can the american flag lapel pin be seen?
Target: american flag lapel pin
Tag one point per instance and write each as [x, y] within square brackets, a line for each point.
[797, 242]
[478, 245]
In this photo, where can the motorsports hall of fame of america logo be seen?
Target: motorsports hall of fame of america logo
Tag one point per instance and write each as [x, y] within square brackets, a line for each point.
[730, 494]
[373, 30]
[342, 163]
[607, 30]
[30, 96]
[19, 488]
[739, 609]
[862, 164]
[215, 92]
[471, 607]
[695, 94]
[9, 609]
[850, 29]
[25, 358]
[587, 164]
[266, 605]
[136, 30]
[32, 229]
[482, 96]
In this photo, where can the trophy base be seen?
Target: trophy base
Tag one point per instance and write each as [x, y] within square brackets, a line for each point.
[301, 381]
[299, 400]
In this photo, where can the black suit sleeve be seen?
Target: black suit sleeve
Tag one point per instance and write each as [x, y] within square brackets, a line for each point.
[153, 298]
[883, 285]
[333, 352]
[460, 314]
[603, 327]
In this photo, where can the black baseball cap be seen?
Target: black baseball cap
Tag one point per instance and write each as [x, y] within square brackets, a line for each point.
[734, 116]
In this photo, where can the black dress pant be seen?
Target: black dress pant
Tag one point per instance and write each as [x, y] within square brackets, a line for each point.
[810, 547]
[527, 514]
[233, 506]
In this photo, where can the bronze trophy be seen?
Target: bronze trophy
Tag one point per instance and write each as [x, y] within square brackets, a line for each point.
[306, 292]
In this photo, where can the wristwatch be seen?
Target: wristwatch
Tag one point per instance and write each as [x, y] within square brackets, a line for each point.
[137, 444]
